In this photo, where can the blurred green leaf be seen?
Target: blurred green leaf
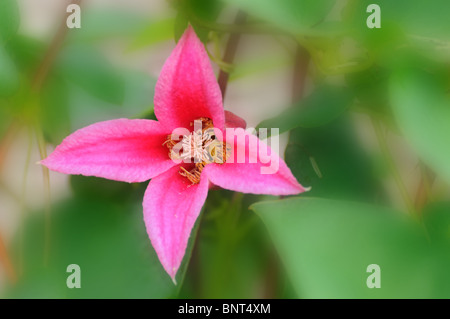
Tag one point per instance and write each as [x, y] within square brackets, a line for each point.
[95, 188]
[9, 19]
[107, 240]
[330, 161]
[27, 52]
[415, 17]
[204, 9]
[139, 92]
[325, 104]
[327, 245]
[338, 54]
[138, 101]
[370, 87]
[182, 271]
[437, 221]
[89, 69]
[55, 112]
[153, 33]
[109, 23]
[230, 250]
[9, 75]
[181, 23]
[199, 13]
[293, 15]
[257, 66]
[421, 106]
[4, 117]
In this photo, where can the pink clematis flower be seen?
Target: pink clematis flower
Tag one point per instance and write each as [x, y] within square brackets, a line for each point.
[137, 150]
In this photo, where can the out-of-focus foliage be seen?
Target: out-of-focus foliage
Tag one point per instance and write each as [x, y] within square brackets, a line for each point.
[9, 77]
[153, 33]
[231, 260]
[198, 13]
[101, 25]
[322, 107]
[101, 230]
[106, 239]
[55, 110]
[9, 23]
[424, 18]
[397, 75]
[327, 246]
[9, 19]
[370, 89]
[81, 79]
[292, 15]
[422, 107]
[89, 69]
[328, 160]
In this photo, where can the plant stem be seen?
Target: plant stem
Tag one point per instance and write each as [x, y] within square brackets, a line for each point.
[301, 64]
[51, 53]
[423, 190]
[46, 177]
[392, 167]
[259, 28]
[23, 208]
[230, 53]
[192, 256]
[36, 85]
[7, 140]
[5, 259]
[9, 192]
[227, 235]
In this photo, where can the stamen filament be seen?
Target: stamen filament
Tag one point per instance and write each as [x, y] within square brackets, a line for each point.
[200, 147]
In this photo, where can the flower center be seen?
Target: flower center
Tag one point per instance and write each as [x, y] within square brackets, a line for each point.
[200, 147]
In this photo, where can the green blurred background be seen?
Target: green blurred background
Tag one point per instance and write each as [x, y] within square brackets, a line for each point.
[364, 117]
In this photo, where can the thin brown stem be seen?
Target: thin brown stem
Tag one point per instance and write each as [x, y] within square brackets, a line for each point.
[37, 83]
[301, 63]
[423, 190]
[47, 199]
[380, 135]
[7, 140]
[5, 143]
[302, 59]
[51, 53]
[5, 260]
[230, 53]
[11, 193]
[194, 267]
[23, 208]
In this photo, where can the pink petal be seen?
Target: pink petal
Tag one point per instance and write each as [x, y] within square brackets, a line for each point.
[187, 88]
[171, 207]
[246, 177]
[123, 150]
[234, 121]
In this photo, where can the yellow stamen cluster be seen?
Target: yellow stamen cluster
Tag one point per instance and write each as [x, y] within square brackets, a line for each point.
[200, 147]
